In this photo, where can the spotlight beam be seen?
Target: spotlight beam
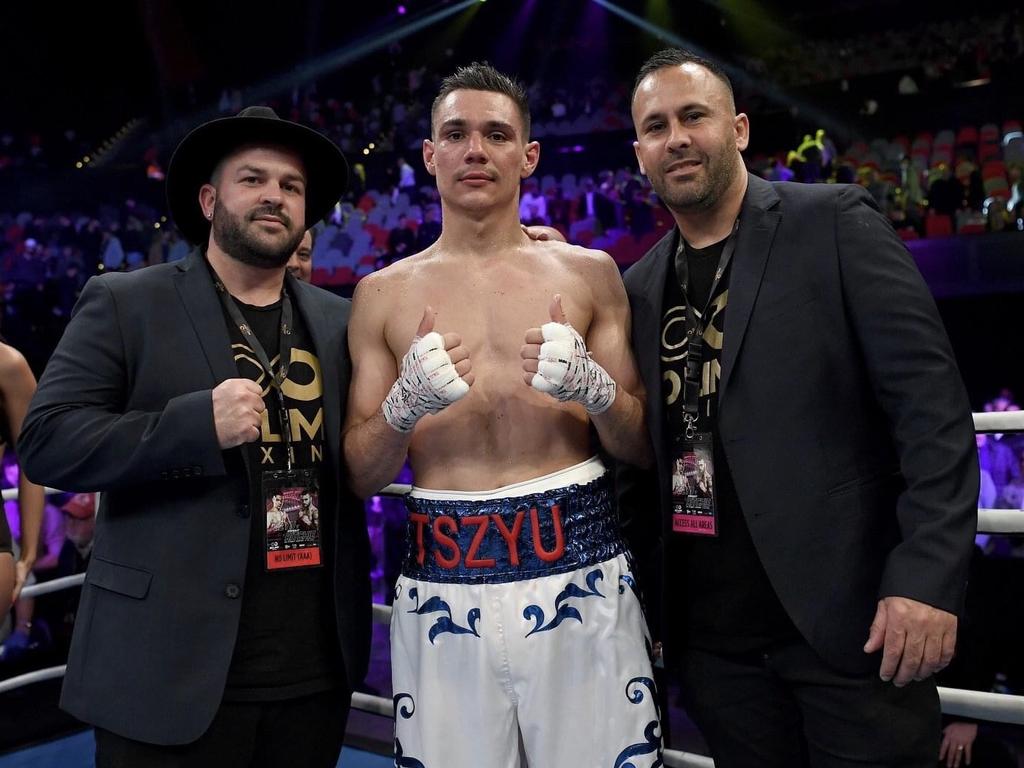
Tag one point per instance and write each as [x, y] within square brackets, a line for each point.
[739, 76]
[318, 68]
[345, 56]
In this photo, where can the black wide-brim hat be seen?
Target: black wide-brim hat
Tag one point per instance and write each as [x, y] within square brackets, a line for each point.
[197, 155]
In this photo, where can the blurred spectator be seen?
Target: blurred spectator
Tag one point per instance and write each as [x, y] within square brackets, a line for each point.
[430, 229]
[974, 667]
[988, 494]
[300, 264]
[1012, 494]
[533, 207]
[79, 526]
[401, 240]
[869, 178]
[18, 553]
[998, 460]
[112, 256]
[1015, 205]
[591, 204]
[945, 193]
[559, 210]
[406, 179]
[639, 209]
[31, 633]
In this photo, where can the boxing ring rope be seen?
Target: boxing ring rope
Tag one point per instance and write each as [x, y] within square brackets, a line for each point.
[994, 707]
[9, 494]
[1001, 421]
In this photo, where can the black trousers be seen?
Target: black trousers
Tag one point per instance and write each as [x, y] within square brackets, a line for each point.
[783, 706]
[307, 731]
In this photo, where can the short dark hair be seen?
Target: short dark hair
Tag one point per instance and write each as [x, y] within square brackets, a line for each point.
[481, 76]
[675, 57]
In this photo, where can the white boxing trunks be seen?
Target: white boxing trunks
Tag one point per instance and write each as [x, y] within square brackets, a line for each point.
[517, 630]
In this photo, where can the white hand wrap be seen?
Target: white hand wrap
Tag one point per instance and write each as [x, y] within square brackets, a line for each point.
[428, 383]
[566, 371]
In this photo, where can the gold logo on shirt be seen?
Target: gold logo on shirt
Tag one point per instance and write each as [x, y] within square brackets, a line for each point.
[674, 344]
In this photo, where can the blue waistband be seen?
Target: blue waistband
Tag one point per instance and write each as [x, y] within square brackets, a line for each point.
[511, 539]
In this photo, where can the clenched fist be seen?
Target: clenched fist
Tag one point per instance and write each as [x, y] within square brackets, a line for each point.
[436, 372]
[237, 412]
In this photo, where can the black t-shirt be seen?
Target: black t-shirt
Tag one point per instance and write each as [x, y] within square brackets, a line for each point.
[287, 643]
[725, 601]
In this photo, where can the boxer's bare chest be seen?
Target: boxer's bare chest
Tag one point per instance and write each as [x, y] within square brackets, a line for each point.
[503, 430]
[490, 305]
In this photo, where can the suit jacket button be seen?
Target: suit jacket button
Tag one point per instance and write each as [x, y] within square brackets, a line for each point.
[163, 475]
[175, 474]
[243, 510]
[232, 591]
[197, 471]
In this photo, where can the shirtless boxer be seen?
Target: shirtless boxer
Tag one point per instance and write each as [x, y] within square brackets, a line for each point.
[486, 358]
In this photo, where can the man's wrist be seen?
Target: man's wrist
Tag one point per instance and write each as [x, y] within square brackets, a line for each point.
[400, 415]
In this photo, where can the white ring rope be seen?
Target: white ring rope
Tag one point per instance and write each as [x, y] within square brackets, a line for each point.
[1001, 421]
[997, 707]
[676, 759]
[12, 493]
[38, 676]
[1000, 521]
[55, 585]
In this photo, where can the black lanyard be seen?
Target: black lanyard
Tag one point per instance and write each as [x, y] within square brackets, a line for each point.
[284, 357]
[696, 323]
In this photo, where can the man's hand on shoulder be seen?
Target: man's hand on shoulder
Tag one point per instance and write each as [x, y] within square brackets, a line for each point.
[542, 233]
[916, 639]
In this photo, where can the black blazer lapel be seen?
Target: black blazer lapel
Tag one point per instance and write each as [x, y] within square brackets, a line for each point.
[753, 245]
[195, 288]
[648, 298]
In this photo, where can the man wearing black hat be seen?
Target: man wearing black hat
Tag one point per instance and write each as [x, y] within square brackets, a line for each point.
[194, 394]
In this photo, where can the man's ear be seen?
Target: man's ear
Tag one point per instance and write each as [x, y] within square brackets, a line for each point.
[532, 156]
[742, 128]
[207, 200]
[639, 160]
[428, 157]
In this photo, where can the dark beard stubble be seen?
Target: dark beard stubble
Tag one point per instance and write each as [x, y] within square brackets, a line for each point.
[231, 234]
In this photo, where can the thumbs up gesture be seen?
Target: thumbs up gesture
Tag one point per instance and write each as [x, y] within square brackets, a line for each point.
[435, 372]
[556, 361]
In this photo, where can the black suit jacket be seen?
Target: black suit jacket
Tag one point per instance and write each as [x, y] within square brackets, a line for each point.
[604, 209]
[842, 415]
[125, 407]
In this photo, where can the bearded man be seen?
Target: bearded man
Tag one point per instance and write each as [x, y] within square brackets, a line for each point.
[194, 393]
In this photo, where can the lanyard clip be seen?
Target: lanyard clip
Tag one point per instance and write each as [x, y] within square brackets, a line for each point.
[691, 430]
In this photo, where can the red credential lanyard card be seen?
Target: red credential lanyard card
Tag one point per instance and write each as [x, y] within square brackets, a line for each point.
[291, 508]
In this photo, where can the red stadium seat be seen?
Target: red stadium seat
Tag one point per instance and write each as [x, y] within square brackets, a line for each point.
[989, 151]
[966, 136]
[937, 225]
[993, 176]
